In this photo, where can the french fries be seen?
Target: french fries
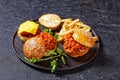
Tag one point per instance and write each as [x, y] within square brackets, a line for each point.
[73, 22]
[67, 20]
[67, 32]
[69, 26]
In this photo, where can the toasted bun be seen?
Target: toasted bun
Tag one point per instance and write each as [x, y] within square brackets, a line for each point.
[51, 21]
[73, 48]
[85, 38]
[28, 29]
[34, 48]
[23, 38]
[78, 54]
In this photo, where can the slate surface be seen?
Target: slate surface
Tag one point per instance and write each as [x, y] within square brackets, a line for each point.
[102, 15]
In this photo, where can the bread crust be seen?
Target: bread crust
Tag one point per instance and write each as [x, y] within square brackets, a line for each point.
[51, 21]
[34, 48]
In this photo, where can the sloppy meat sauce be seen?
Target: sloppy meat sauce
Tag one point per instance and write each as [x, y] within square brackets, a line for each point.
[50, 41]
[29, 35]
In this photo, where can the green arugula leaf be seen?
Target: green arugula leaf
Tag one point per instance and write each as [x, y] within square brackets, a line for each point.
[48, 31]
[52, 53]
[53, 65]
[59, 50]
[63, 59]
[31, 60]
[56, 35]
[63, 54]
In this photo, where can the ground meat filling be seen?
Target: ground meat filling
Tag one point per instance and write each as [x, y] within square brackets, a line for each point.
[29, 35]
[74, 48]
[50, 41]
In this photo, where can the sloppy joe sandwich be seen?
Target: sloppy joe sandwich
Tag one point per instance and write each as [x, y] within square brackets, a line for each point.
[28, 29]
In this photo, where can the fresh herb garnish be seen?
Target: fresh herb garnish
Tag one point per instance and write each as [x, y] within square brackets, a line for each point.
[56, 36]
[62, 55]
[53, 65]
[52, 53]
[63, 59]
[48, 31]
[59, 50]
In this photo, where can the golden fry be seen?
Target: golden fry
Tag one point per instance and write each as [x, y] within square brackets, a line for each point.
[73, 22]
[60, 39]
[67, 32]
[67, 20]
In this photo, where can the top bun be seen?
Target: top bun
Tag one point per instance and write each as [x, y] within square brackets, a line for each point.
[34, 48]
[51, 21]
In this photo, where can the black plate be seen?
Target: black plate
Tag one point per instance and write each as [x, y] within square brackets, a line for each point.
[72, 63]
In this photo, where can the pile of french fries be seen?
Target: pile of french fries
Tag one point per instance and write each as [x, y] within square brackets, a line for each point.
[69, 26]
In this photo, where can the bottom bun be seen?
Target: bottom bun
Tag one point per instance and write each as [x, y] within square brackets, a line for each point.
[23, 38]
[78, 54]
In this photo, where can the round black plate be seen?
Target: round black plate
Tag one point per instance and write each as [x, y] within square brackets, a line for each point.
[71, 63]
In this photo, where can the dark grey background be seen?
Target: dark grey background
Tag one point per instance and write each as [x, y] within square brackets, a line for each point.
[102, 15]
